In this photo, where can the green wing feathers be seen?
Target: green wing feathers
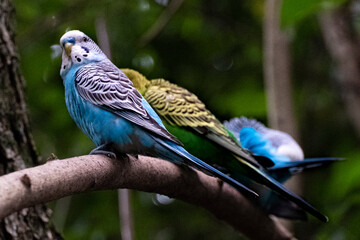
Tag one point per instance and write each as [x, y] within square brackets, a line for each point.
[182, 108]
[179, 107]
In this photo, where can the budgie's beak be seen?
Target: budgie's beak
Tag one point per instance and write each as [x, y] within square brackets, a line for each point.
[68, 43]
[67, 48]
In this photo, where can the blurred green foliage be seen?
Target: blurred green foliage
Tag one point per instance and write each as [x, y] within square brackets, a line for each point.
[214, 49]
[294, 11]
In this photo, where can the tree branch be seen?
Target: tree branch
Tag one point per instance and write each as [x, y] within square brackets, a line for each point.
[60, 178]
[277, 77]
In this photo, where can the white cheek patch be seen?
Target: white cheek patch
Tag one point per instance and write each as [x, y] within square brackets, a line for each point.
[66, 63]
[78, 54]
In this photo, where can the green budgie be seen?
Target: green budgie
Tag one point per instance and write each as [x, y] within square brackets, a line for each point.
[187, 118]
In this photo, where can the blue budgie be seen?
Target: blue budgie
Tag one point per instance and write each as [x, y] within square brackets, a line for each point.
[283, 150]
[280, 147]
[112, 113]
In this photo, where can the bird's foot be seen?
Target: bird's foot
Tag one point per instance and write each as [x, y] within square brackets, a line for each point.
[101, 150]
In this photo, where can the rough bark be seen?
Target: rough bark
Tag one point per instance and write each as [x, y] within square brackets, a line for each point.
[16, 144]
[342, 43]
[277, 76]
[60, 178]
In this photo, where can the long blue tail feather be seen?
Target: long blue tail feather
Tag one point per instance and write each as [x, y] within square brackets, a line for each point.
[284, 192]
[262, 177]
[284, 208]
[204, 167]
[304, 164]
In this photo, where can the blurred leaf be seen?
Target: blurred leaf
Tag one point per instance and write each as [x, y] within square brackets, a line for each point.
[245, 99]
[346, 177]
[294, 11]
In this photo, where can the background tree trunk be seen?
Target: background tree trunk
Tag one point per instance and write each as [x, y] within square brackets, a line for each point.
[342, 43]
[124, 195]
[16, 144]
[277, 76]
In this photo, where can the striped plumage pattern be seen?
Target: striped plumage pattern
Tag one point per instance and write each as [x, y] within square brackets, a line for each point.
[104, 85]
[180, 107]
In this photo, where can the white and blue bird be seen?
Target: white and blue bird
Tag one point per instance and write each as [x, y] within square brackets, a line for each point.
[286, 155]
[113, 114]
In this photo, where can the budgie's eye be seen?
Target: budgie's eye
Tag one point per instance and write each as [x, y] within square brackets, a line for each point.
[85, 39]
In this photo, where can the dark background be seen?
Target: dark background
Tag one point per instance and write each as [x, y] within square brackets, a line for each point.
[214, 49]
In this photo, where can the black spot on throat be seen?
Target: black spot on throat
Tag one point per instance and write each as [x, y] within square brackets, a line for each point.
[78, 59]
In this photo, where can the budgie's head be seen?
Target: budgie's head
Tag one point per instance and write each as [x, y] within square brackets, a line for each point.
[78, 49]
[140, 81]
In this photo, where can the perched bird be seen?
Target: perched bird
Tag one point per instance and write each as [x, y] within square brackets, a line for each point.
[280, 147]
[283, 150]
[185, 116]
[113, 114]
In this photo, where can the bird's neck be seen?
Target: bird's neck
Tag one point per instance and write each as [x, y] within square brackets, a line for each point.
[70, 75]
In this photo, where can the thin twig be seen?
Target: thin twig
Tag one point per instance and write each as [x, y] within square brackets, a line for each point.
[160, 23]
[126, 222]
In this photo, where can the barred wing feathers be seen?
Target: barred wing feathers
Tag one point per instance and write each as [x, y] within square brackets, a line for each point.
[104, 85]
